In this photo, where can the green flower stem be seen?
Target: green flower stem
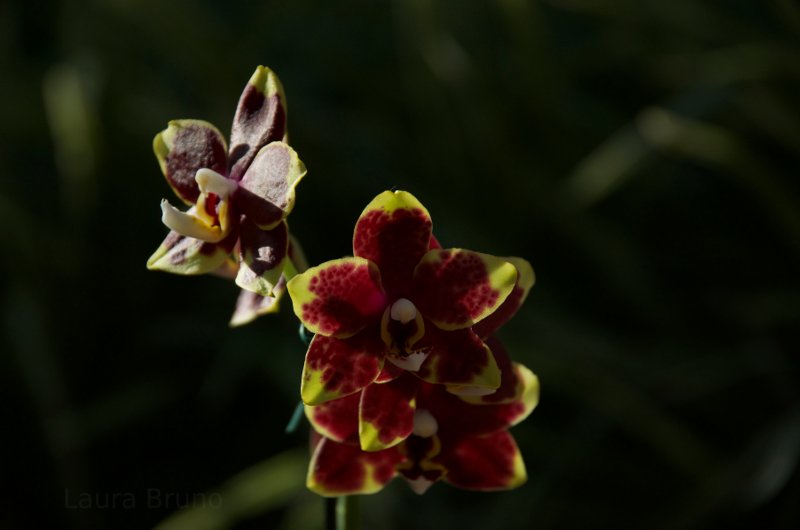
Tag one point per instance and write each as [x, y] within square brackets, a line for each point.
[343, 513]
[348, 513]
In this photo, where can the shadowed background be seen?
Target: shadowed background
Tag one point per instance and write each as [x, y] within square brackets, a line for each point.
[641, 154]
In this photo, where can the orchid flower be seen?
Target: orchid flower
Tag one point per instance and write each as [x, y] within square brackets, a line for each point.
[239, 197]
[465, 444]
[403, 299]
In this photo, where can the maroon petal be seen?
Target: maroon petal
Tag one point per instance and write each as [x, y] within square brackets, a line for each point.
[509, 308]
[386, 413]
[510, 381]
[261, 257]
[457, 418]
[266, 193]
[339, 297]
[457, 288]
[335, 368]
[186, 146]
[483, 463]
[260, 119]
[342, 469]
[394, 232]
[185, 255]
[337, 419]
[458, 358]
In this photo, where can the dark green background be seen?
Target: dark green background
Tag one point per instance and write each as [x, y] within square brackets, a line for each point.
[642, 154]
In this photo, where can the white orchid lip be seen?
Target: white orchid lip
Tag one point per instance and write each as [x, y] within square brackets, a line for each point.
[425, 424]
[411, 362]
[210, 181]
[189, 225]
[419, 485]
[403, 310]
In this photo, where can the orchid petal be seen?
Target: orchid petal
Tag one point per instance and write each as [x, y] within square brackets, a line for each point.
[458, 418]
[510, 383]
[250, 305]
[338, 367]
[528, 396]
[188, 224]
[339, 297]
[341, 469]
[457, 288]
[394, 232]
[336, 419]
[458, 358]
[185, 147]
[266, 193]
[525, 280]
[260, 119]
[484, 463]
[386, 413]
[185, 255]
[262, 254]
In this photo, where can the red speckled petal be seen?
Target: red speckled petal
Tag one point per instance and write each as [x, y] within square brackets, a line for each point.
[338, 298]
[337, 419]
[338, 367]
[260, 119]
[394, 232]
[458, 358]
[510, 383]
[509, 308]
[456, 288]
[483, 463]
[341, 469]
[186, 146]
[386, 413]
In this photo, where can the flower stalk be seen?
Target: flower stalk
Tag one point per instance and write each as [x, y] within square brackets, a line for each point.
[348, 513]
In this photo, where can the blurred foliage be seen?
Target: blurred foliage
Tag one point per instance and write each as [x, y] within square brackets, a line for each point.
[642, 154]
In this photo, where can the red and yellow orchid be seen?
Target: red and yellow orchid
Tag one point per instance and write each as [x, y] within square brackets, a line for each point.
[405, 299]
[467, 445]
[239, 197]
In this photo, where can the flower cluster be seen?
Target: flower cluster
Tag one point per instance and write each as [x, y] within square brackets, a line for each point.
[239, 197]
[403, 374]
